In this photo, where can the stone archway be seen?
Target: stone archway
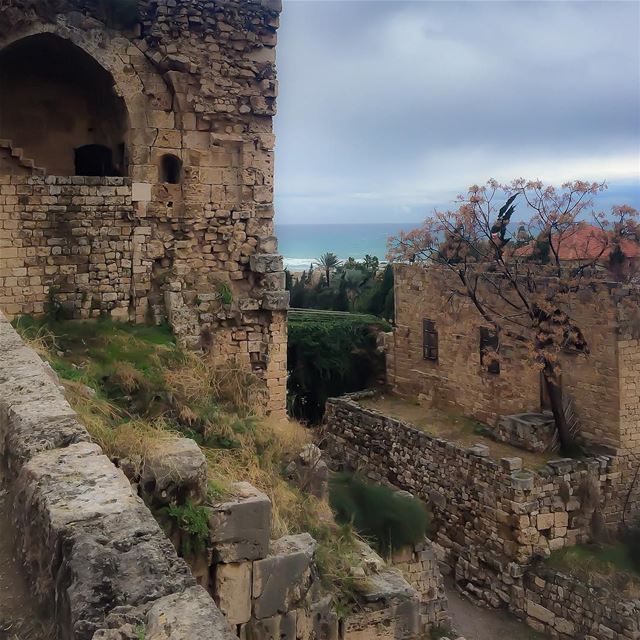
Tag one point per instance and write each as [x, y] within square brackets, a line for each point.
[56, 99]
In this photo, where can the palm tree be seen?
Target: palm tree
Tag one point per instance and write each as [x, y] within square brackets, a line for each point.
[328, 261]
[353, 280]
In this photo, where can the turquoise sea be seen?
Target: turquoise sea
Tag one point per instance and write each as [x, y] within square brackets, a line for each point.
[302, 244]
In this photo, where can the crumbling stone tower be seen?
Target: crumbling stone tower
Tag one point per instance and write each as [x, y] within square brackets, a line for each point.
[136, 169]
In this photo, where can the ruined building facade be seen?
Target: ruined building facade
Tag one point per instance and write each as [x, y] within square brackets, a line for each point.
[136, 170]
[435, 353]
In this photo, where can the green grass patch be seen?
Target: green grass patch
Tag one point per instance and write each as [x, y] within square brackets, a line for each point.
[609, 565]
[193, 521]
[606, 558]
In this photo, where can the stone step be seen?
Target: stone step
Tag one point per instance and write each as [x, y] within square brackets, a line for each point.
[18, 154]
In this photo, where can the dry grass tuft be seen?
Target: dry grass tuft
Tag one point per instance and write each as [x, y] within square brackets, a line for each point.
[200, 377]
[41, 340]
[260, 459]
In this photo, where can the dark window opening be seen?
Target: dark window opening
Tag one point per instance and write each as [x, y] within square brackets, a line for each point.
[429, 340]
[170, 169]
[489, 346]
[94, 160]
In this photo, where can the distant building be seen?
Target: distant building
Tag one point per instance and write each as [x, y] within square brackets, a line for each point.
[436, 354]
[587, 242]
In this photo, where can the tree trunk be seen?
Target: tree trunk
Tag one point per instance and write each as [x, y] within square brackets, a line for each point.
[554, 390]
[328, 276]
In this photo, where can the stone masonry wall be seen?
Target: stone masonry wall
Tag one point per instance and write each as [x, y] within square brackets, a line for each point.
[496, 507]
[72, 237]
[603, 387]
[493, 518]
[629, 367]
[197, 81]
[92, 549]
[458, 381]
[566, 608]
[419, 565]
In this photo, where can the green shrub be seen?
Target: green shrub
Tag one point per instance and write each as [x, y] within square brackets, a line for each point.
[329, 357]
[225, 293]
[388, 519]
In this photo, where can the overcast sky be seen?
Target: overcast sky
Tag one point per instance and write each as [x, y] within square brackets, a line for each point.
[388, 108]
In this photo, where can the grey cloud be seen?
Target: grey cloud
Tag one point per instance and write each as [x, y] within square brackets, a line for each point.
[386, 107]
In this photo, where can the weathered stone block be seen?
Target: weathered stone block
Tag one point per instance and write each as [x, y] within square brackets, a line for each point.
[268, 244]
[282, 579]
[266, 263]
[279, 627]
[240, 528]
[174, 470]
[111, 551]
[545, 521]
[276, 300]
[187, 616]
[540, 613]
[232, 590]
[274, 281]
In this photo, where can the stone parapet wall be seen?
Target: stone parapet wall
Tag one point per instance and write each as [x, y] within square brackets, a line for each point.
[92, 550]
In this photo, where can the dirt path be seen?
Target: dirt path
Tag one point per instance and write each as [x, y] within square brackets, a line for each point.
[19, 618]
[475, 623]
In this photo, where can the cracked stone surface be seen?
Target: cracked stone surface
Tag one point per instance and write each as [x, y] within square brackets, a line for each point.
[90, 540]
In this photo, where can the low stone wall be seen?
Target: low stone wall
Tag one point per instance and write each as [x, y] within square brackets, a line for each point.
[477, 503]
[492, 518]
[565, 608]
[92, 549]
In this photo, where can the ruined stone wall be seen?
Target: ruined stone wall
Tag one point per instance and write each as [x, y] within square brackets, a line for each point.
[496, 508]
[566, 608]
[629, 355]
[459, 382]
[419, 565]
[629, 367]
[198, 83]
[493, 519]
[89, 544]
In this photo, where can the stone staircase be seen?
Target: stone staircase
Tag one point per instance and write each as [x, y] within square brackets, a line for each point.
[18, 154]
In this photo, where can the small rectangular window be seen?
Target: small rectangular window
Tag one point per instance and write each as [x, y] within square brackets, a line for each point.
[488, 344]
[429, 340]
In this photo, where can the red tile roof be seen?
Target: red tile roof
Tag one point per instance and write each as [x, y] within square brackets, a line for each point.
[585, 242]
